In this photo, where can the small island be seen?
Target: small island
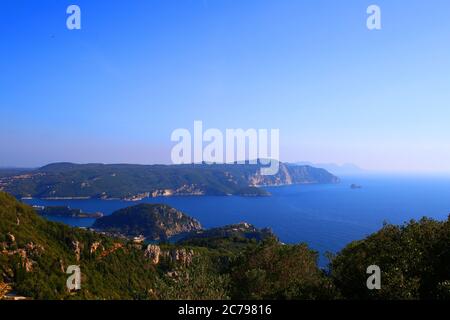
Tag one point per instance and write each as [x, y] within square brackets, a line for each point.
[64, 211]
[356, 186]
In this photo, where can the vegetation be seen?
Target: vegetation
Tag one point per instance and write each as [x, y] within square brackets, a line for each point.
[414, 260]
[200, 281]
[35, 254]
[234, 236]
[274, 271]
[129, 181]
[232, 262]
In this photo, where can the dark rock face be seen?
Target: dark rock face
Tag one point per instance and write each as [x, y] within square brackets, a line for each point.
[153, 221]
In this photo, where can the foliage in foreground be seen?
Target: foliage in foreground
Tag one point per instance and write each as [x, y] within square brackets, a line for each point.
[414, 260]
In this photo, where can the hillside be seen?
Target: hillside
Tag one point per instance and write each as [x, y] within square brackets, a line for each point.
[231, 262]
[414, 260]
[35, 254]
[132, 182]
[153, 221]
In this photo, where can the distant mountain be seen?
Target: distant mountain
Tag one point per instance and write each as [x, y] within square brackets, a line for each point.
[10, 171]
[134, 182]
[336, 169]
[153, 221]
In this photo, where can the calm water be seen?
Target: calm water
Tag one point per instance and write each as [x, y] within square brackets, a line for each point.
[327, 217]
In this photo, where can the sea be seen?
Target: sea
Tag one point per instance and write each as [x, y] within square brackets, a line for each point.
[327, 217]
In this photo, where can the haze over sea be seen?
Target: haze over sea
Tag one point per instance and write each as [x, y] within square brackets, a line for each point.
[326, 217]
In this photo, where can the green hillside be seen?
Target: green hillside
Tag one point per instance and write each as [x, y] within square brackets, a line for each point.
[414, 260]
[36, 253]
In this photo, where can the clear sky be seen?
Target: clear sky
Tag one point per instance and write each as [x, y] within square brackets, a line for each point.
[137, 70]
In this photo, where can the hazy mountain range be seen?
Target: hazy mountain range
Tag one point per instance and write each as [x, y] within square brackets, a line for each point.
[336, 169]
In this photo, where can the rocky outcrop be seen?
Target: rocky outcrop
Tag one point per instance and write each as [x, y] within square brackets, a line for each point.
[137, 197]
[162, 193]
[153, 253]
[27, 263]
[62, 266]
[95, 246]
[184, 190]
[34, 249]
[5, 288]
[76, 246]
[11, 237]
[116, 246]
[181, 256]
[10, 249]
[26, 254]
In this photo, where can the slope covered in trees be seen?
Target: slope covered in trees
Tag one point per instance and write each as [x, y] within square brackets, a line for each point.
[414, 260]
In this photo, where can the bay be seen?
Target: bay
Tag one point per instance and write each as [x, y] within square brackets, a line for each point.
[326, 217]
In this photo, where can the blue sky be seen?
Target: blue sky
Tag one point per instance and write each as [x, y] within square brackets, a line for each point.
[137, 70]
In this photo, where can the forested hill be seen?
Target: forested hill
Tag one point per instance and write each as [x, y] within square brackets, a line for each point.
[154, 221]
[132, 182]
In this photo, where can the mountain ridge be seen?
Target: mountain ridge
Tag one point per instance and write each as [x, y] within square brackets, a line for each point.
[134, 182]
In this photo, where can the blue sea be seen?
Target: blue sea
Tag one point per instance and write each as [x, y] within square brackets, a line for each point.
[326, 217]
